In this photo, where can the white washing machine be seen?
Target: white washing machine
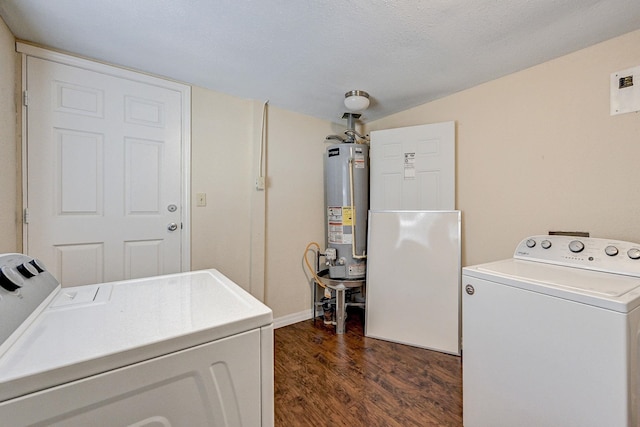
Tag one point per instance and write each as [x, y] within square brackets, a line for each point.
[550, 337]
[188, 349]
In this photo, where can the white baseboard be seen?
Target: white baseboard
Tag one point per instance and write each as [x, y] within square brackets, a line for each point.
[290, 319]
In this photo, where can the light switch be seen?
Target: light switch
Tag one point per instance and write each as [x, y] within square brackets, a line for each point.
[201, 199]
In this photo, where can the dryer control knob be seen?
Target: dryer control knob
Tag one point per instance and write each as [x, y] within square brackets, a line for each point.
[611, 250]
[38, 265]
[634, 253]
[576, 246]
[10, 279]
[27, 270]
[531, 243]
[546, 244]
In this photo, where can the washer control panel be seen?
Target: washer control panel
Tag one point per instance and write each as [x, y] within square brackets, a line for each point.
[26, 287]
[612, 256]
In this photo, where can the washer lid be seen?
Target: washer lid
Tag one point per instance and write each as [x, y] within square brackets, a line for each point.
[96, 328]
[612, 291]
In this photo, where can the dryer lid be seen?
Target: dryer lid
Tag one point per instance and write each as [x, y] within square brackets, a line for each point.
[124, 323]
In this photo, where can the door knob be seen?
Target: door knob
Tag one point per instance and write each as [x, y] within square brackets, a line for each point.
[172, 226]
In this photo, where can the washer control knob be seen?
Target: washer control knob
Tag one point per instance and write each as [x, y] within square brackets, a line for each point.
[531, 243]
[611, 250]
[576, 246]
[27, 270]
[546, 244]
[10, 279]
[634, 253]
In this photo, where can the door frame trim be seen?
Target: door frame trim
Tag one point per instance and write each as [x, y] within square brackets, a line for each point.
[185, 95]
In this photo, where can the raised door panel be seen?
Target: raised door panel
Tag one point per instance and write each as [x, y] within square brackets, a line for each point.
[143, 258]
[82, 264]
[143, 172]
[79, 167]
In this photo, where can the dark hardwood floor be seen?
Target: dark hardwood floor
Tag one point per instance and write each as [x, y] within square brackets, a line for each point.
[325, 379]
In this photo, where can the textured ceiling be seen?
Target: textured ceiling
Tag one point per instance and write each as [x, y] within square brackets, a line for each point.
[303, 55]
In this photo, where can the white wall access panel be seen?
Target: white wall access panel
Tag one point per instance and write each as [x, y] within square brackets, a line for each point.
[413, 278]
[413, 168]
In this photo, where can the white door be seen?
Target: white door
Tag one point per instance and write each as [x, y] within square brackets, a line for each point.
[413, 168]
[104, 173]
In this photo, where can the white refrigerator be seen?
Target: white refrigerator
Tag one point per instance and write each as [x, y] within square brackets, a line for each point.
[413, 278]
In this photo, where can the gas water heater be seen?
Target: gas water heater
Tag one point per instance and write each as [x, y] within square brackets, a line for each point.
[347, 203]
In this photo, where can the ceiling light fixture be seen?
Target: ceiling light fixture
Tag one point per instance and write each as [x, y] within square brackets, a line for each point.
[356, 100]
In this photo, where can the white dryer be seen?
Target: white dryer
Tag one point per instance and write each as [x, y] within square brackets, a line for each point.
[188, 349]
[550, 337]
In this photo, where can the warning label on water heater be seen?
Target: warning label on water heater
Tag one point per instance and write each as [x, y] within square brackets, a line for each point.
[347, 215]
[340, 219]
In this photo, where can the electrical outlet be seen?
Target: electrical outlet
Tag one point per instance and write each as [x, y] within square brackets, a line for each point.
[201, 199]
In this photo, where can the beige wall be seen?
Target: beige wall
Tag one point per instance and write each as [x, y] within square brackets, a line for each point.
[221, 136]
[9, 72]
[537, 151]
[295, 206]
[257, 238]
